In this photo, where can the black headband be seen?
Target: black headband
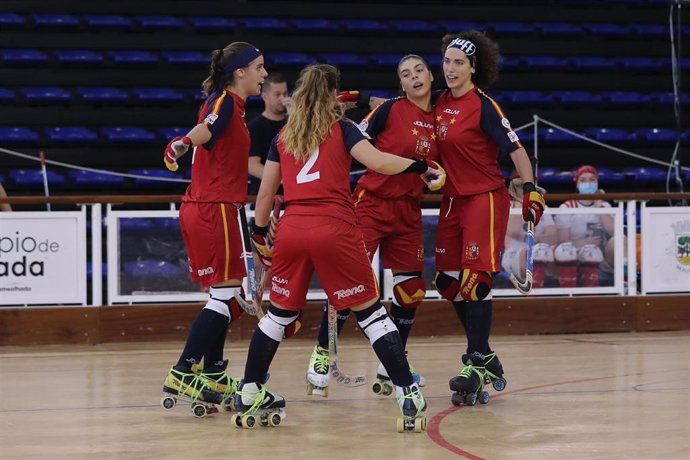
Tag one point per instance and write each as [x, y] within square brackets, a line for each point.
[241, 59]
[463, 45]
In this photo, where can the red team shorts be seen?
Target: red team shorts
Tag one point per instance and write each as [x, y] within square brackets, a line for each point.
[472, 230]
[393, 224]
[332, 247]
[213, 240]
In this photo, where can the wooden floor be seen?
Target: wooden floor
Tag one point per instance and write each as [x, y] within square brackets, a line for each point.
[601, 396]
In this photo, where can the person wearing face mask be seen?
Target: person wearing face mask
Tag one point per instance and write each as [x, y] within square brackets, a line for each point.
[585, 255]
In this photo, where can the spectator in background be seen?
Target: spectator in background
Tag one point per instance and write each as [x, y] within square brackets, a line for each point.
[584, 256]
[4, 207]
[265, 126]
[545, 236]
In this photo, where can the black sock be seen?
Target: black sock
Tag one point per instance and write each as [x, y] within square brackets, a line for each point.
[214, 354]
[262, 349]
[342, 316]
[460, 310]
[208, 323]
[478, 325]
[389, 349]
[403, 319]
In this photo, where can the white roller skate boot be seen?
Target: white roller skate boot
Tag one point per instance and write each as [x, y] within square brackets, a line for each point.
[318, 374]
[256, 405]
[413, 406]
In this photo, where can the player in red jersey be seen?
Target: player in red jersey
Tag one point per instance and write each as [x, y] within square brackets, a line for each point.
[472, 133]
[312, 157]
[208, 215]
[388, 207]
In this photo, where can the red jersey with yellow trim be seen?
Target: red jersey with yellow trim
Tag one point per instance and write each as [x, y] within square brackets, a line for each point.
[399, 127]
[320, 186]
[219, 167]
[472, 132]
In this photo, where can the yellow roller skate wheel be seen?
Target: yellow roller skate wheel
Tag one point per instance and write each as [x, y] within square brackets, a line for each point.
[400, 424]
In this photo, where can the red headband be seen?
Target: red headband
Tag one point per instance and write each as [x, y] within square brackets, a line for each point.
[585, 169]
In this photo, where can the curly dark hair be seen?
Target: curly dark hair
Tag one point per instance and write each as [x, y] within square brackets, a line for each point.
[486, 61]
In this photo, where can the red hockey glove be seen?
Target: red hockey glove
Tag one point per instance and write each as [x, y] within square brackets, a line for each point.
[532, 203]
[261, 244]
[175, 149]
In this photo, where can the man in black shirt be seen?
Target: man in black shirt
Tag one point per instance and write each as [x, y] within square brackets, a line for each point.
[266, 126]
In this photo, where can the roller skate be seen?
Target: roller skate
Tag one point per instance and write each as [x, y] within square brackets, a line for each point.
[318, 373]
[413, 406]
[384, 385]
[256, 405]
[468, 385]
[190, 387]
[494, 372]
[223, 383]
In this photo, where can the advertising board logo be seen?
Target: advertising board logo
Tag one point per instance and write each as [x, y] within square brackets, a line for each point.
[24, 256]
[681, 244]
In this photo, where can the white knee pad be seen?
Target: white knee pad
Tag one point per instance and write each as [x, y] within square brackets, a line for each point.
[542, 253]
[377, 325]
[591, 254]
[216, 303]
[274, 326]
[565, 253]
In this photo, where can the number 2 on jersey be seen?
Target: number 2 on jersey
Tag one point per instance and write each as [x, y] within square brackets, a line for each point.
[304, 176]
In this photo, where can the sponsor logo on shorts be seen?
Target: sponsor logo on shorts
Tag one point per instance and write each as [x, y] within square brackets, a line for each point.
[344, 293]
[211, 118]
[513, 136]
[205, 271]
[440, 250]
[472, 251]
[280, 290]
[279, 280]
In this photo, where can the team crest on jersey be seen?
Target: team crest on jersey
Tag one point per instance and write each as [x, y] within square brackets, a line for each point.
[423, 147]
[211, 118]
[472, 251]
[442, 129]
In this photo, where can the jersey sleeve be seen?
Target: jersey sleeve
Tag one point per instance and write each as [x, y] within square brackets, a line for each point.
[375, 122]
[495, 124]
[218, 116]
[273, 154]
[352, 133]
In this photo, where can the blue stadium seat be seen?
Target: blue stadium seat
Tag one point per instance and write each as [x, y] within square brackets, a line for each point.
[102, 95]
[212, 23]
[626, 98]
[526, 136]
[17, 135]
[578, 98]
[168, 223]
[608, 177]
[434, 60]
[6, 95]
[186, 58]
[511, 28]
[415, 26]
[650, 30]
[523, 98]
[34, 177]
[552, 177]
[159, 173]
[23, 56]
[556, 135]
[453, 27]
[606, 30]
[94, 179]
[386, 60]
[343, 59]
[11, 20]
[641, 63]
[108, 21]
[559, 29]
[136, 223]
[610, 135]
[122, 134]
[684, 63]
[657, 135]
[55, 20]
[133, 57]
[544, 62]
[646, 175]
[71, 135]
[160, 22]
[46, 95]
[157, 95]
[264, 24]
[167, 134]
[668, 98]
[592, 62]
[291, 59]
[314, 25]
[511, 62]
[147, 268]
[78, 57]
[197, 95]
[364, 25]
[89, 267]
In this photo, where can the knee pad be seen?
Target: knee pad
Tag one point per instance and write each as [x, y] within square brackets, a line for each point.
[223, 301]
[475, 285]
[542, 254]
[566, 264]
[409, 289]
[375, 322]
[279, 323]
[447, 284]
[588, 271]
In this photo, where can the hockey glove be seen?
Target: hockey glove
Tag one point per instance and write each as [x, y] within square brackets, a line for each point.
[175, 149]
[261, 244]
[353, 99]
[532, 203]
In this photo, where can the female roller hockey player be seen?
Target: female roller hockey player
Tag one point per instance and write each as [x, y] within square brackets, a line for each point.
[389, 213]
[312, 156]
[472, 132]
[208, 219]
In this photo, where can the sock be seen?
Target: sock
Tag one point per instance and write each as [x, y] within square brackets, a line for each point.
[342, 316]
[208, 323]
[263, 347]
[403, 319]
[478, 325]
[385, 339]
[214, 354]
[459, 306]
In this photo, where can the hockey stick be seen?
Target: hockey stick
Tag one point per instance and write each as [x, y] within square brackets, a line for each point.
[526, 286]
[338, 375]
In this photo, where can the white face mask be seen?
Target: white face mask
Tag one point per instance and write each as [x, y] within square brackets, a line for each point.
[588, 187]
